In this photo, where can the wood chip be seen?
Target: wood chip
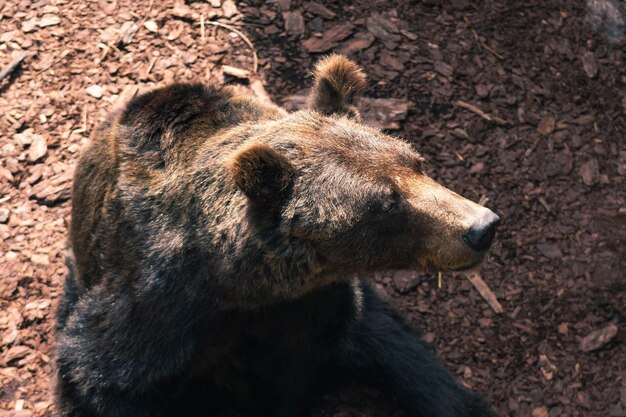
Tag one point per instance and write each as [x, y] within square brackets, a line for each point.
[481, 113]
[540, 411]
[16, 352]
[151, 25]
[48, 20]
[259, 91]
[598, 338]
[127, 32]
[547, 368]
[13, 64]
[360, 41]
[330, 38]
[384, 113]
[40, 259]
[235, 72]
[319, 10]
[383, 28]
[550, 250]
[546, 125]
[590, 172]
[590, 64]
[444, 69]
[294, 23]
[230, 8]
[4, 214]
[485, 292]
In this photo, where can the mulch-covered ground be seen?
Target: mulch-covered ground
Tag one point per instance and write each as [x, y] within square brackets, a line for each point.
[518, 104]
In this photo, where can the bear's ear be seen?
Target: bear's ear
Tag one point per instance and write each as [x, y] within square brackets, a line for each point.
[338, 82]
[262, 174]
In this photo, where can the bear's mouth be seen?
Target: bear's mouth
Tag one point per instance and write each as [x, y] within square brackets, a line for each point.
[472, 265]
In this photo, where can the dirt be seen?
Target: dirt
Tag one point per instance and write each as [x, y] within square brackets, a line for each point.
[520, 105]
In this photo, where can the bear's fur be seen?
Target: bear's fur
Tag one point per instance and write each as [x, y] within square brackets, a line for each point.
[216, 244]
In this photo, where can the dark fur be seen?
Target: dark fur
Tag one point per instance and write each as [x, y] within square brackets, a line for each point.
[214, 238]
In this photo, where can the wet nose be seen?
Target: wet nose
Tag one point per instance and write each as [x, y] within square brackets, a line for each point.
[481, 234]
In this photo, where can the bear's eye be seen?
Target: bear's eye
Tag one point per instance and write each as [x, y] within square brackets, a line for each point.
[390, 205]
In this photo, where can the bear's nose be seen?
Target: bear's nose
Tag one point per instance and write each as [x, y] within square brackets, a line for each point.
[482, 232]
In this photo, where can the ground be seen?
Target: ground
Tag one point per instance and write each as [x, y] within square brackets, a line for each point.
[521, 105]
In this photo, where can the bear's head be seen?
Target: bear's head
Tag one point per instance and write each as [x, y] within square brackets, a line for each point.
[358, 198]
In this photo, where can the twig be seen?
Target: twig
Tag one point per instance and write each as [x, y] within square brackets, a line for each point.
[12, 65]
[481, 113]
[202, 26]
[487, 47]
[485, 292]
[255, 64]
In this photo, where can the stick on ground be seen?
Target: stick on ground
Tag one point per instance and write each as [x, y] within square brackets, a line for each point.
[485, 292]
[481, 113]
[12, 65]
[239, 33]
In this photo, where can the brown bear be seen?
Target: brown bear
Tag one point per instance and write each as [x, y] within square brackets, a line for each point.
[217, 245]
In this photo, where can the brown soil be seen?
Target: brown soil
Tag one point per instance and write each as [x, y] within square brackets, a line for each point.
[547, 155]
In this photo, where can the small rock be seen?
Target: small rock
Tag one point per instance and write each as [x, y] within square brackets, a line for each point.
[598, 338]
[546, 125]
[4, 214]
[590, 64]
[590, 172]
[550, 250]
[216, 3]
[38, 148]
[405, 281]
[563, 329]
[95, 91]
[540, 411]
[294, 23]
[39, 259]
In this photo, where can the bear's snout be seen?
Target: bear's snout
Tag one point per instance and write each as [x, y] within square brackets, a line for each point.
[481, 234]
